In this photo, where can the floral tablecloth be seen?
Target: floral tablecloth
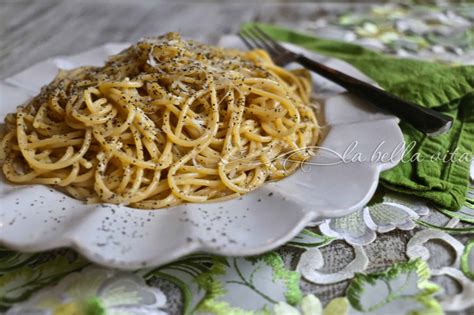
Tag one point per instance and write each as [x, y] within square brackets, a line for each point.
[397, 255]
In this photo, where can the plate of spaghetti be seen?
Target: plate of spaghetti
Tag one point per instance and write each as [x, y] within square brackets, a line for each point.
[136, 155]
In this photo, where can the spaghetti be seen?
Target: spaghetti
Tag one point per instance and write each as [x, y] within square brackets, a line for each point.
[164, 122]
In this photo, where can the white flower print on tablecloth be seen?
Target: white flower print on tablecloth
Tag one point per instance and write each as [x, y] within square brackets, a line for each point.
[403, 288]
[95, 291]
[416, 249]
[311, 305]
[386, 212]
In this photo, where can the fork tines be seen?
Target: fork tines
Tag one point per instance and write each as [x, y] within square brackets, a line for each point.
[255, 37]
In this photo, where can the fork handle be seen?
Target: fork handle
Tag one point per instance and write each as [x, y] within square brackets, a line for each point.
[424, 119]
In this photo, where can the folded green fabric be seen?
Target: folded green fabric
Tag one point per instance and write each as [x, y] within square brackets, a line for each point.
[436, 168]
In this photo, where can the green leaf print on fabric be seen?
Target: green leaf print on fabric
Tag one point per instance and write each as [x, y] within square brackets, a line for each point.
[307, 239]
[193, 275]
[401, 289]
[467, 260]
[250, 286]
[10, 260]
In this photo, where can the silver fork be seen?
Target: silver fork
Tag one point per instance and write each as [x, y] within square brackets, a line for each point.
[426, 120]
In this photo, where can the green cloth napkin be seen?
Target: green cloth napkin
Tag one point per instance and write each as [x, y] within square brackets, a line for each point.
[449, 89]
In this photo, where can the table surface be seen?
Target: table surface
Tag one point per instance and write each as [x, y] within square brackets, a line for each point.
[31, 31]
[36, 30]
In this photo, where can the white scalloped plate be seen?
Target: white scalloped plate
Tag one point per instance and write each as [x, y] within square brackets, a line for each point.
[37, 218]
